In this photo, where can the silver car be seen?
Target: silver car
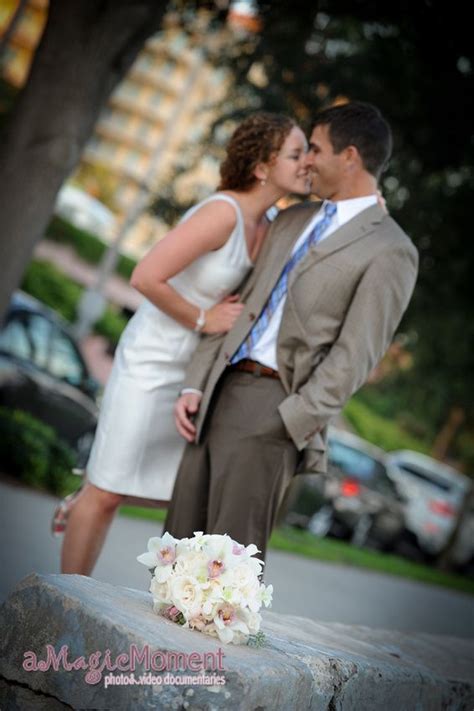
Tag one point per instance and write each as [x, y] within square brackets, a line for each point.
[355, 500]
[433, 492]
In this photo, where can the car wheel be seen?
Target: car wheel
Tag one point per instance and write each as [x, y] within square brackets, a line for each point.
[320, 523]
[361, 530]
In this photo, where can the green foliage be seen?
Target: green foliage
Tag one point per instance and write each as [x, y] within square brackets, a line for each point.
[31, 451]
[465, 451]
[380, 431]
[86, 245]
[47, 284]
[306, 544]
[148, 514]
[111, 325]
[398, 397]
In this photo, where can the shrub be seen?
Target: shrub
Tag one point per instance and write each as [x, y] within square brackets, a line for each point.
[31, 451]
[380, 431]
[86, 245]
[111, 325]
[47, 284]
[50, 286]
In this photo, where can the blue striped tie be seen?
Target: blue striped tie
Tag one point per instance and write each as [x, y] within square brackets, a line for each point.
[280, 288]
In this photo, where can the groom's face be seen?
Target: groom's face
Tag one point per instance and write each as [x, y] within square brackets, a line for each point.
[325, 166]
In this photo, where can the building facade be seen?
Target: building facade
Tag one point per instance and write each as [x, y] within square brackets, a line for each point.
[150, 136]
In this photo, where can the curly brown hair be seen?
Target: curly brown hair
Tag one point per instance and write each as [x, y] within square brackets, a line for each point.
[256, 140]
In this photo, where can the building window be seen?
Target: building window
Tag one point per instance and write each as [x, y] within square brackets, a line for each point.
[128, 90]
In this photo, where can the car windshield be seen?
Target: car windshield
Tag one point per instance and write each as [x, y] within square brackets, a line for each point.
[353, 462]
[28, 337]
[425, 475]
[34, 338]
[360, 465]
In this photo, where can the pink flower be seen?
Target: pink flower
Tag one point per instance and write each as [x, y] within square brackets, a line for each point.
[166, 555]
[226, 614]
[237, 549]
[215, 568]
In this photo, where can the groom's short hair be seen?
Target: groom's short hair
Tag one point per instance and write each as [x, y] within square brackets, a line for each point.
[361, 125]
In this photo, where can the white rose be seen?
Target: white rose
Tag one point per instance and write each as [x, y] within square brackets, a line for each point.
[252, 620]
[191, 563]
[244, 578]
[186, 594]
[161, 591]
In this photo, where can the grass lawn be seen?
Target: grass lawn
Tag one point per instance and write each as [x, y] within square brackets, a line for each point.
[292, 540]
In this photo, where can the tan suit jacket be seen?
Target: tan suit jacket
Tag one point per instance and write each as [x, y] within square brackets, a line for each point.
[345, 300]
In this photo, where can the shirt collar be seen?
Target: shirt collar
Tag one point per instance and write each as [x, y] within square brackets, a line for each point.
[347, 209]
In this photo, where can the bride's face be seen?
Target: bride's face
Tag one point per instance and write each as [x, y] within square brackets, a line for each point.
[288, 171]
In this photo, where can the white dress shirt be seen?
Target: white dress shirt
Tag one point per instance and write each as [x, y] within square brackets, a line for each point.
[264, 351]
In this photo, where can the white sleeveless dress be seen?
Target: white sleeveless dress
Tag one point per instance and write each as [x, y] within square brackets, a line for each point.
[137, 449]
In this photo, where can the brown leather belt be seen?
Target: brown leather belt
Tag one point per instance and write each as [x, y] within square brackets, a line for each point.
[257, 369]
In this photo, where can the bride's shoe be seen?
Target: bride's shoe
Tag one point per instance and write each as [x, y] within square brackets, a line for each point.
[61, 513]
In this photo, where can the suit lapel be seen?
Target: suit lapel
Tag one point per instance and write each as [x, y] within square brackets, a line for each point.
[281, 248]
[360, 226]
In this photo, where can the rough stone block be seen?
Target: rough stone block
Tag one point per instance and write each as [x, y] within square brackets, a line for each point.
[302, 664]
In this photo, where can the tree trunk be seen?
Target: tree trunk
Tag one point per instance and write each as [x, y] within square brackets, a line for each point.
[447, 433]
[86, 48]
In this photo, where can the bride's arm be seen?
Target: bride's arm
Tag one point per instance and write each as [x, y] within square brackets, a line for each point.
[206, 230]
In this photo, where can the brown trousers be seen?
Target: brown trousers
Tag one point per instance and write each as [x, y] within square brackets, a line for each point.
[234, 480]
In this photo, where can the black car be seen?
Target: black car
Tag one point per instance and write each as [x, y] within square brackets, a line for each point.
[355, 500]
[43, 373]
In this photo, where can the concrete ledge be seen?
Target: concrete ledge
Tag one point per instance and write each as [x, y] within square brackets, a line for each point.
[302, 665]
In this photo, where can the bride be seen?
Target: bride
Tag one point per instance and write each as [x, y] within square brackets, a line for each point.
[188, 279]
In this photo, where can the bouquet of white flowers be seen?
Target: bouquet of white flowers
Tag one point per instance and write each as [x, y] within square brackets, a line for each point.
[208, 583]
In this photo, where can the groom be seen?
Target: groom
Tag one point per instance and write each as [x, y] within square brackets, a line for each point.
[322, 306]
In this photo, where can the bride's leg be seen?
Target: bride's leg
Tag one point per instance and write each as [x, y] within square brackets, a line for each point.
[88, 523]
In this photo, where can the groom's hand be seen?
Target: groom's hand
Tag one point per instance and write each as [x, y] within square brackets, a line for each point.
[185, 409]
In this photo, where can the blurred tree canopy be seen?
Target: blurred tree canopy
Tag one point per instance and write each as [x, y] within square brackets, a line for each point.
[414, 60]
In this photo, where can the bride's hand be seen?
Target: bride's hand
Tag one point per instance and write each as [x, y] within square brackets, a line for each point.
[221, 317]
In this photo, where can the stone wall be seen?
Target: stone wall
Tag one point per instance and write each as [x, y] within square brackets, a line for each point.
[302, 664]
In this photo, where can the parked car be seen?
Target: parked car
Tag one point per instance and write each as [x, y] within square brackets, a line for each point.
[462, 554]
[84, 211]
[43, 373]
[356, 499]
[433, 492]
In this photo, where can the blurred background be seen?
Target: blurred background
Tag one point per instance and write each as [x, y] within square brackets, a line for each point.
[114, 118]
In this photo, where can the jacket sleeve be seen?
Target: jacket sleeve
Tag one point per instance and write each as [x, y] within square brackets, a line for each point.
[377, 306]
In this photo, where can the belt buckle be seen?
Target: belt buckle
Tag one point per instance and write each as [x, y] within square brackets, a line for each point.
[258, 370]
